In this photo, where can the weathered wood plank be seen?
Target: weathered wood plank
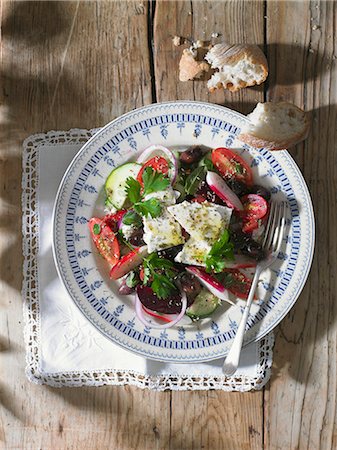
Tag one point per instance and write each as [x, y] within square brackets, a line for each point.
[63, 65]
[209, 419]
[300, 406]
[198, 20]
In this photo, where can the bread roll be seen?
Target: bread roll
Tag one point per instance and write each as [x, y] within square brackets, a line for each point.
[239, 66]
[275, 126]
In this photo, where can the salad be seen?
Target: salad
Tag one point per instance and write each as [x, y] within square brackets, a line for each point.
[180, 229]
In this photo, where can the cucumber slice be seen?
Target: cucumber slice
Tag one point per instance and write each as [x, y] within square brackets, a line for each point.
[116, 182]
[204, 305]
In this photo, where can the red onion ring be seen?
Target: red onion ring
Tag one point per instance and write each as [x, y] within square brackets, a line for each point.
[142, 318]
[155, 150]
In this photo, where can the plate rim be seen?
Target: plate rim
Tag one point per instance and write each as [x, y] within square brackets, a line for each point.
[288, 157]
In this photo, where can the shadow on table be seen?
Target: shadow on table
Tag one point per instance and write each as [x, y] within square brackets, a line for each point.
[303, 337]
[30, 32]
[286, 61]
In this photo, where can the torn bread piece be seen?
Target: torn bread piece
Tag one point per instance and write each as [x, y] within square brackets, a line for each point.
[239, 66]
[275, 126]
[189, 67]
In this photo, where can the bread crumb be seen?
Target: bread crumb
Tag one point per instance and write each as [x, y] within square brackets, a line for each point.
[214, 35]
[177, 41]
[311, 50]
[189, 67]
[315, 27]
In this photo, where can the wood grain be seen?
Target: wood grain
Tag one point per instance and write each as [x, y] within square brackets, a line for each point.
[300, 405]
[80, 64]
[64, 65]
[198, 20]
[211, 420]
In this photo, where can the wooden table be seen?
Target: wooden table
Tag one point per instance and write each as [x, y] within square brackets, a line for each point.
[80, 64]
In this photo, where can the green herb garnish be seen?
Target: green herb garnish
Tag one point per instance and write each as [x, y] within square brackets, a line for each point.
[207, 162]
[96, 229]
[193, 180]
[160, 272]
[221, 251]
[150, 207]
[133, 188]
[152, 182]
[132, 218]
[132, 280]
[238, 168]
[123, 240]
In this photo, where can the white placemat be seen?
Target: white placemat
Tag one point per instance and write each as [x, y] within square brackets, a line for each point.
[62, 347]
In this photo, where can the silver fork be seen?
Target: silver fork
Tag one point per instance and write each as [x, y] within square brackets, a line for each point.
[271, 245]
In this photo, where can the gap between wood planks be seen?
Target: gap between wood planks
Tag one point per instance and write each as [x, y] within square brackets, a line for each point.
[150, 28]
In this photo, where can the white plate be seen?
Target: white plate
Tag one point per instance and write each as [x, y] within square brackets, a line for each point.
[85, 274]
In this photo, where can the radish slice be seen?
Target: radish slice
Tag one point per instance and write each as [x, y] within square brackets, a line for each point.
[220, 188]
[241, 262]
[160, 150]
[128, 262]
[164, 317]
[211, 283]
[142, 318]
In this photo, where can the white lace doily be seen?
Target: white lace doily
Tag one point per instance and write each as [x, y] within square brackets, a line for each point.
[156, 378]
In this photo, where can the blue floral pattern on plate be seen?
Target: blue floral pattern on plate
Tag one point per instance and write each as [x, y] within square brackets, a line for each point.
[85, 275]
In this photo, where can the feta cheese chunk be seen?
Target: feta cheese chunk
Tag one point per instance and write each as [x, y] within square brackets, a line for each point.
[128, 230]
[167, 197]
[193, 253]
[203, 221]
[162, 232]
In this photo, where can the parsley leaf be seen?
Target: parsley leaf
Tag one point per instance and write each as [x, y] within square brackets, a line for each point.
[132, 218]
[162, 285]
[150, 207]
[96, 229]
[221, 251]
[193, 180]
[154, 181]
[133, 188]
[159, 272]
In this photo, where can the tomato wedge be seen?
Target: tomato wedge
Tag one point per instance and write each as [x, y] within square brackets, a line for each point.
[128, 262]
[112, 219]
[198, 199]
[158, 163]
[255, 206]
[250, 225]
[105, 240]
[236, 282]
[231, 165]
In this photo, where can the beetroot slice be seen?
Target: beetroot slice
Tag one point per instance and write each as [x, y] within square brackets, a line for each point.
[169, 305]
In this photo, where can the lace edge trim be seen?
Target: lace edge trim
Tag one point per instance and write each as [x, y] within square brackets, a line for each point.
[31, 312]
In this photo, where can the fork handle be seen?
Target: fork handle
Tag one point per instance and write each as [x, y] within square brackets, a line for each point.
[232, 360]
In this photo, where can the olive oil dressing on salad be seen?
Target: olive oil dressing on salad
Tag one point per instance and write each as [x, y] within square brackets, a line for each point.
[179, 231]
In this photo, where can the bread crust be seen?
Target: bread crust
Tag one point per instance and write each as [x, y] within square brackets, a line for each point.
[189, 67]
[227, 54]
[288, 141]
